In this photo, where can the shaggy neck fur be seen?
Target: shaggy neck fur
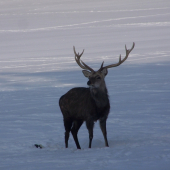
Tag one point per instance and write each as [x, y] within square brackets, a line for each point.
[100, 97]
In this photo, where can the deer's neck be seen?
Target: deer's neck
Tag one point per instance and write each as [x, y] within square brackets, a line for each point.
[100, 96]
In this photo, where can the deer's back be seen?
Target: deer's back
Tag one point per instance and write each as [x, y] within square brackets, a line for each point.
[78, 104]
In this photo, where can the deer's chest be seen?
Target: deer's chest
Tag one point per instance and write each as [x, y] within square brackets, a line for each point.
[101, 112]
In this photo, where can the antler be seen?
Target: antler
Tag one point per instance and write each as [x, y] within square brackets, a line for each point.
[120, 61]
[80, 62]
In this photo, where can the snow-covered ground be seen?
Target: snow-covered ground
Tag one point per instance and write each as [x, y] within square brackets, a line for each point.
[37, 66]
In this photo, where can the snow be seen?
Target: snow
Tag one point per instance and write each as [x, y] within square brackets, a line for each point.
[37, 66]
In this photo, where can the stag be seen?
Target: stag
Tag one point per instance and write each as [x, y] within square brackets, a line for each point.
[88, 104]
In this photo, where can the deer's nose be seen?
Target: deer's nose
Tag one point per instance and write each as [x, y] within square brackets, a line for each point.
[89, 83]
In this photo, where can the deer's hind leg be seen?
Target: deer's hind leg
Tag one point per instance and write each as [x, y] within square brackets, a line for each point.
[76, 126]
[67, 124]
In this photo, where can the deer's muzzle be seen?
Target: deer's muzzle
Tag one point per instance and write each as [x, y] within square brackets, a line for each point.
[89, 83]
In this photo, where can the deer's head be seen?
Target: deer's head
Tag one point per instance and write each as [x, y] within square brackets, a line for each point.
[96, 78]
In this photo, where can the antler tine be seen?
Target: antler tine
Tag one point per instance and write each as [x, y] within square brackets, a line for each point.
[80, 62]
[87, 67]
[120, 61]
[77, 58]
[101, 67]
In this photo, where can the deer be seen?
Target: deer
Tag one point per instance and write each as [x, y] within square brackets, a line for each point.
[88, 104]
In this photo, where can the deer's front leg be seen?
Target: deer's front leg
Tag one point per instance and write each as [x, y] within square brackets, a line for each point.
[90, 125]
[104, 131]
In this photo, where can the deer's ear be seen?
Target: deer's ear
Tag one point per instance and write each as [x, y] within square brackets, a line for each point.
[86, 73]
[104, 72]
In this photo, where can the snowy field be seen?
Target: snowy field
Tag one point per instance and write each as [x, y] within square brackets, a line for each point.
[37, 66]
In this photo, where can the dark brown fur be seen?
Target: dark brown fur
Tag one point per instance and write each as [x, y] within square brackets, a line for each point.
[84, 104]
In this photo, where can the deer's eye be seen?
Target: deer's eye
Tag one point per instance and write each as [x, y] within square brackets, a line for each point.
[98, 77]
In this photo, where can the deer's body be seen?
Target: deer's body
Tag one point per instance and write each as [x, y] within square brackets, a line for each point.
[87, 104]
[80, 104]
[84, 104]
